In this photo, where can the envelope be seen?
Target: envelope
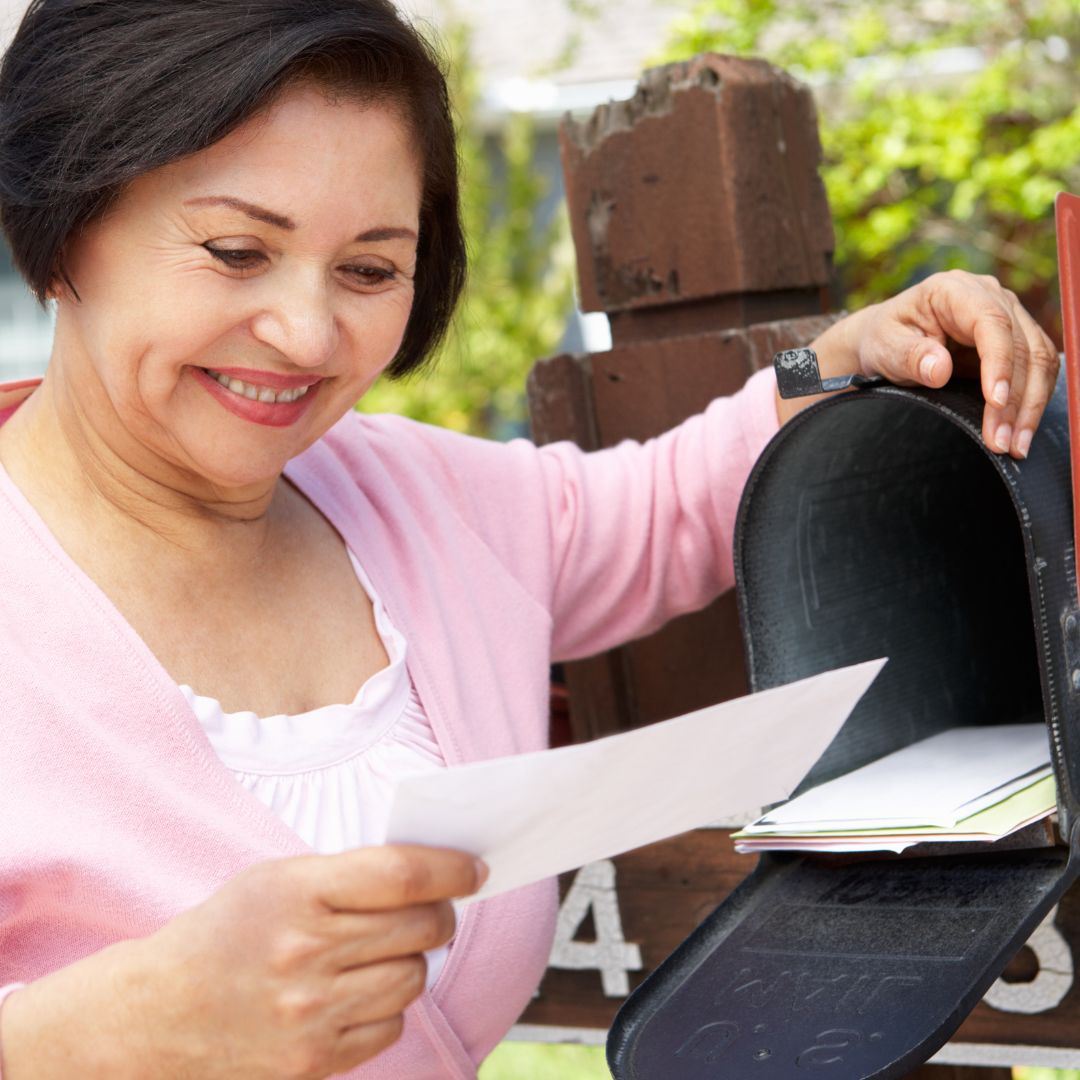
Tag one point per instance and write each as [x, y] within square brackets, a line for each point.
[936, 781]
[535, 815]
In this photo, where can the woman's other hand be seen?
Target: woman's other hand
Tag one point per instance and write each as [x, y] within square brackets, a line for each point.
[904, 339]
[295, 969]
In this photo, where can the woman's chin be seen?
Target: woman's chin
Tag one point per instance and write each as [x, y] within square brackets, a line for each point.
[238, 475]
[233, 460]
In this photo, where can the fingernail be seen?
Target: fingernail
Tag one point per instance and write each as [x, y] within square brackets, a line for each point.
[1004, 437]
[1001, 392]
[1023, 442]
[482, 872]
[926, 367]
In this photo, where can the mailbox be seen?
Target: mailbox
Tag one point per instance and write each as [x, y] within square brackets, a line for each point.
[877, 523]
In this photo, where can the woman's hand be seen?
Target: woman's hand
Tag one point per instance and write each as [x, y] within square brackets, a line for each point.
[904, 339]
[295, 969]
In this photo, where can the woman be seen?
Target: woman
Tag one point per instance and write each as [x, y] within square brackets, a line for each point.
[245, 214]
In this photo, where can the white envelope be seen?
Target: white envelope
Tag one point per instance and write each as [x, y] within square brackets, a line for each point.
[535, 815]
[936, 781]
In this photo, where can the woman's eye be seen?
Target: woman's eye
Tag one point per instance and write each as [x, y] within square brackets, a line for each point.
[250, 259]
[237, 258]
[371, 275]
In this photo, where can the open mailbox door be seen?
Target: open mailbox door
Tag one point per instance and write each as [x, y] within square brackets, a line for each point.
[877, 523]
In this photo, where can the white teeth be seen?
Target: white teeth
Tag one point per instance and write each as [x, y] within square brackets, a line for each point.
[258, 393]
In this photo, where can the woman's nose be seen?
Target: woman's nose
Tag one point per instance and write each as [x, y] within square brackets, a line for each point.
[298, 320]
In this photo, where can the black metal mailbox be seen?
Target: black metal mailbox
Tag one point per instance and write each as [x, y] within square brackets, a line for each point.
[877, 523]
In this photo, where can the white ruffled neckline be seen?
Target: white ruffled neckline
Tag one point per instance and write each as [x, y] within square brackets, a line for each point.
[286, 744]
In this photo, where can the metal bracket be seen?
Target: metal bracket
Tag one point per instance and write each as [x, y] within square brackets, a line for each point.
[1070, 629]
[798, 375]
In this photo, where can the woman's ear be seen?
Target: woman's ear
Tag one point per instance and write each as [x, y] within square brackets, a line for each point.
[60, 286]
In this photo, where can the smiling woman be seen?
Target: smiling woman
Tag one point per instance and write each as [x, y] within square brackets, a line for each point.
[303, 279]
[233, 612]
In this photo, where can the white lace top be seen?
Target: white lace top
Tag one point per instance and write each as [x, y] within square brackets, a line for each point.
[328, 773]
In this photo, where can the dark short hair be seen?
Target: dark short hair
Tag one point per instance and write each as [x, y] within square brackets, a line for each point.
[93, 93]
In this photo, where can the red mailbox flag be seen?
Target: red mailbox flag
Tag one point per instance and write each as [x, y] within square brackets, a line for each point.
[1068, 242]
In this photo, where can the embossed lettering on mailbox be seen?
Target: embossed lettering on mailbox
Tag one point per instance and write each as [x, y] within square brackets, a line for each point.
[709, 1042]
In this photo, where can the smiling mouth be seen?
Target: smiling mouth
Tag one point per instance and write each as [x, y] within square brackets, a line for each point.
[257, 393]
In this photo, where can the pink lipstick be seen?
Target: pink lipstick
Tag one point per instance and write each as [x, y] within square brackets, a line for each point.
[268, 413]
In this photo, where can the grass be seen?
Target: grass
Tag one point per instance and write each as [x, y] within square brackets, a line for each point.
[542, 1061]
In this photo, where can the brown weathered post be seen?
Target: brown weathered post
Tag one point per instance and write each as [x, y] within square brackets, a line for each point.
[702, 230]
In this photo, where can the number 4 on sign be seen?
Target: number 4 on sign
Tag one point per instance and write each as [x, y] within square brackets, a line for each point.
[610, 954]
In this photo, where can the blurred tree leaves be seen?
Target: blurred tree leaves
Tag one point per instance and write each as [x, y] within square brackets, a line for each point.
[520, 290]
[948, 127]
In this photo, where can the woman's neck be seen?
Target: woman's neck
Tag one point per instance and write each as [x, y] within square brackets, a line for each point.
[102, 483]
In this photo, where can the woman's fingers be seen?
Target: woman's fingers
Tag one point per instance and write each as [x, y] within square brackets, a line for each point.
[1017, 361]
[381, 935]
[395, 876]
[966, 309]
[357, 1044]
[923, 361]
[373, 992]
[1042, 375]
[999, 423]
[900, 339]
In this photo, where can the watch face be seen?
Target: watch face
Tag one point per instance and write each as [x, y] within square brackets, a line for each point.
[797, 373]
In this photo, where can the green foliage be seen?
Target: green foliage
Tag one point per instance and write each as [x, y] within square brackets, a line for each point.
[520, 289]
[927, 167]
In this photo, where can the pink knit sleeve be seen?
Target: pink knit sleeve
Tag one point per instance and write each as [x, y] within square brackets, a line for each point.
[5, 992]
[644, 531]
[611, 543]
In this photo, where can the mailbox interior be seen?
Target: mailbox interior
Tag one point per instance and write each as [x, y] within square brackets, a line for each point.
[884, 530]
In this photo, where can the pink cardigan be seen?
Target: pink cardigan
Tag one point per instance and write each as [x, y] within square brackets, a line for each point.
[493, 559]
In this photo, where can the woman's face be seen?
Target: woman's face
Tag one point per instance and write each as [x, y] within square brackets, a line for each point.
[276, 264]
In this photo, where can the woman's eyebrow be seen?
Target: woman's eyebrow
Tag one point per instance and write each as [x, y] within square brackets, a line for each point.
[280, 221]
[386, 233]
[259, 213]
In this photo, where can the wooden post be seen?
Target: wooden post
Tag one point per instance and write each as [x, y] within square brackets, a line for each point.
[697, 213]
[702, 230]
